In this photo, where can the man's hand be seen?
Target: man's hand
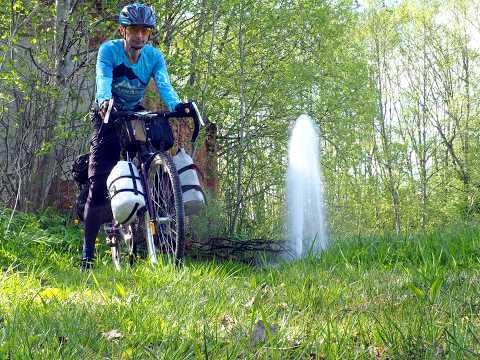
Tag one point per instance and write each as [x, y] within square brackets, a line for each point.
[183, 108]
[103, 108]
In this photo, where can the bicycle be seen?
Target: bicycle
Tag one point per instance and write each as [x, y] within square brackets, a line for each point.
[162, 219]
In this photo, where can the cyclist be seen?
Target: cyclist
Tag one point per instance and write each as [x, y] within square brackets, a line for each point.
[123, 71]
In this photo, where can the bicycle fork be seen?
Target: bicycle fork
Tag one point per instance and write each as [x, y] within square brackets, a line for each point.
[150, 220]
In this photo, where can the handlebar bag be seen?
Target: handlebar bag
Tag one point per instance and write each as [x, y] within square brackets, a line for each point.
[160, 133]
[126, 192]
[193, 195]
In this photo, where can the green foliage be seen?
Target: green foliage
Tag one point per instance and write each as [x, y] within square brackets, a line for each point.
[402, 297]
[391, 85]
[28, 239]
[211, 221]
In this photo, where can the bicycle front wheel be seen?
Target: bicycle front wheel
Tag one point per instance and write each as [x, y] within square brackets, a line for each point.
[168, 225]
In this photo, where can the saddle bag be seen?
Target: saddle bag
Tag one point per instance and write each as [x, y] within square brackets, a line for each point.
[80, 201]
[79, 172]
[193, 196]
[126, 192]
[80, 169]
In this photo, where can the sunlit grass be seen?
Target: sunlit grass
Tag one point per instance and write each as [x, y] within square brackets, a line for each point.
[410, 297]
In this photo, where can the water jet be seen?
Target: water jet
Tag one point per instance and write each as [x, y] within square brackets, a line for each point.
[305, 214]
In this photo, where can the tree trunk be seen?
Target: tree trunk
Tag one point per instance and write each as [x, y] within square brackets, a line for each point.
[382, 71]
[241, 130]
[45, 164]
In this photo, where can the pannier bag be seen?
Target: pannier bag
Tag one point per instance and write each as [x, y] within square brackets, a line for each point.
[126, 192]
[193, 195]
[80, 169]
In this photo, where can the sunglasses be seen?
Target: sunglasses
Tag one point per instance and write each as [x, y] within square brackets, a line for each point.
[135, 30]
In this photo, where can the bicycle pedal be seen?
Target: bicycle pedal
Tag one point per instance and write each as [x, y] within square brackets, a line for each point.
[111, 230]
[111, 241]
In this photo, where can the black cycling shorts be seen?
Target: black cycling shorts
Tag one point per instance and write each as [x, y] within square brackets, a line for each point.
[104, 147]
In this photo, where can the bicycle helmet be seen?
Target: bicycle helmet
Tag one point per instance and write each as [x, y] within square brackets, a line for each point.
[137, 14]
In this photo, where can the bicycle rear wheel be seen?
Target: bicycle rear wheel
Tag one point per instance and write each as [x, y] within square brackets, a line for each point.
[168, 227]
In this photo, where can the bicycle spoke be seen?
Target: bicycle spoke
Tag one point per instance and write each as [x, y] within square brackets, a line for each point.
[166, 200]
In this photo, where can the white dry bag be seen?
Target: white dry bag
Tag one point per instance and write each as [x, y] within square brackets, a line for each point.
[193, 195]
[126, 192]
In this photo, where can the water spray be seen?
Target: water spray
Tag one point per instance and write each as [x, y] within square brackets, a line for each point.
[305, 215]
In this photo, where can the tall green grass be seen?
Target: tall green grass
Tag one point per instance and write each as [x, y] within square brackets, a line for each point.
[397, 297]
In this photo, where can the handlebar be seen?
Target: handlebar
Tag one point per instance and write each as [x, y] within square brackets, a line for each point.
[191, 111]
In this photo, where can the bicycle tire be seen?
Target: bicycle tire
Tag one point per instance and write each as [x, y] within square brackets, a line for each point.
[167, 203]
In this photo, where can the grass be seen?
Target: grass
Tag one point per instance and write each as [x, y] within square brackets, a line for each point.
[409, 297]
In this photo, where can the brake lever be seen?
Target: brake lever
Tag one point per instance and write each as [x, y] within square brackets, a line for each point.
[198, 122]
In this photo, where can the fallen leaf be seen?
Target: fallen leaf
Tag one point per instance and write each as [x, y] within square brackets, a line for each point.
[227, 323]
[112, 335]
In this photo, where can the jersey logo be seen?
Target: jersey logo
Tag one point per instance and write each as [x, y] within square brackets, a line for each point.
[124, 71]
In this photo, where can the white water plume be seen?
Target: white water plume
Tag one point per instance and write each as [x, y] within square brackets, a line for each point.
[305, 216]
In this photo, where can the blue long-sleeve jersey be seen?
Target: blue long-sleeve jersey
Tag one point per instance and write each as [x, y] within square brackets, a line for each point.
[126, 82]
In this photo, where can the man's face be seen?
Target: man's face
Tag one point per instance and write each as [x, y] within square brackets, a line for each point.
[136, 36]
